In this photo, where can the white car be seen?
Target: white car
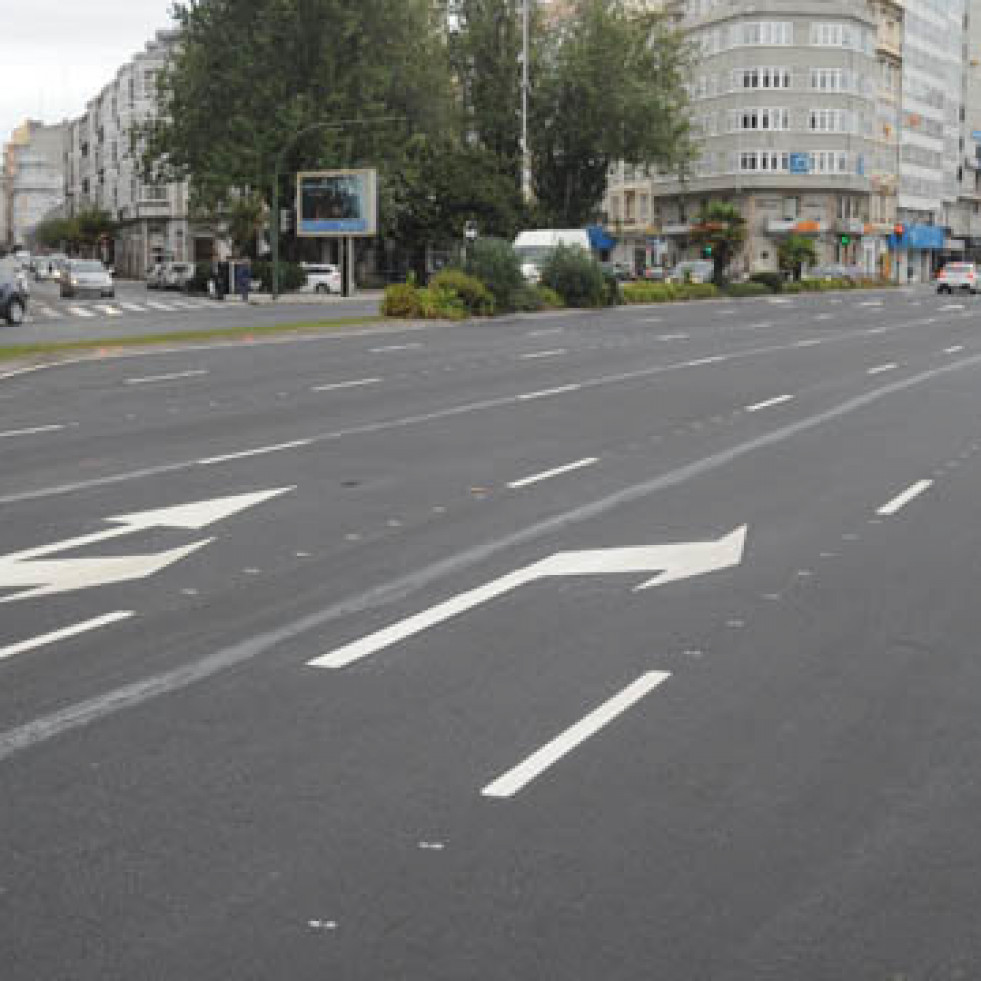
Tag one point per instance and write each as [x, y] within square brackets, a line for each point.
[958, 276]
[322, 278]
[177, 275]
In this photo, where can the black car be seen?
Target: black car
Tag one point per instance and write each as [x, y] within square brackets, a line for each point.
[13, 298]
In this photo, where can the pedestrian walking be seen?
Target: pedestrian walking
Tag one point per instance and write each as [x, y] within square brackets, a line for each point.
[245, 280]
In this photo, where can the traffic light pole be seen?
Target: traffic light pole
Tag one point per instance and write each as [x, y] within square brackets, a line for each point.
[278, 165]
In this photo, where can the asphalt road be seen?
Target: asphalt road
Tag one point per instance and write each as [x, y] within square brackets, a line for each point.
[388, 703]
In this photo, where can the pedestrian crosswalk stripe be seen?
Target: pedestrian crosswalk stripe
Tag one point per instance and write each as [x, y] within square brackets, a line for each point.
[81, 312]
[184, 305]
[134, 307]
[47, 312]
[108, 310]
[159, 306]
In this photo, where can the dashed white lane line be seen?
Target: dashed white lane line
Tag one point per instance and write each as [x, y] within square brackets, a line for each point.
[952, 306]
[257, 451]
[673, 337]
[882, 369]
[877, 330]
[954, 349]
[154, 305]
[133, 307]
[715, 359]
[393, 347]
[543, 354]
[557, 471]
[73, 631]
[823, 316]
[779, 301]
[354, 383]
[810, 342]
[545, 331]
[871, 303]
[508, 784]
[108, 310]
[174, 376]
[81, 312]
[779, 400]
[546, 392]
[903, 499]
[33, 431]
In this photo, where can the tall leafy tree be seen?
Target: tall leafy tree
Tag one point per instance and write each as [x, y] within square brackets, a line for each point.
[721, 228]
[608, 87]
[795, 252]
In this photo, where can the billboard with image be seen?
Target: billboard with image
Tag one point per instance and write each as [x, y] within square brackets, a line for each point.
[337, 203]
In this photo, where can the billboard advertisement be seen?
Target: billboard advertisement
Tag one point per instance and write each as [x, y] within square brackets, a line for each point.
[337, 203]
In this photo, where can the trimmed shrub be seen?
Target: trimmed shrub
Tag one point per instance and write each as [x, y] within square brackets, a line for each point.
[477, 299]
[441, 303]
[291, 276]
[698, 291]
[773, 281]
[401, 300]
[550, 300]
[527, 299]
[495, 263]
[647, 292]
[748, 289]
[576, 276]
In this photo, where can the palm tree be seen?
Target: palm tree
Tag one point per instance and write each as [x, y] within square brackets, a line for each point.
[720, 229]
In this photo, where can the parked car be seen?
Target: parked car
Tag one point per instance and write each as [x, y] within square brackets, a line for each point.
[654, 274]
[534, 247]
[47, 267]
[13, 298]
[154, 276]
[177, 275]
[322, 278]
[692, 271]
[958, 276]
[86, 276]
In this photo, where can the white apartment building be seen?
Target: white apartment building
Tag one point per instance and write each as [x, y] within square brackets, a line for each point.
[33, 182]
[835, 119]
[101, 171]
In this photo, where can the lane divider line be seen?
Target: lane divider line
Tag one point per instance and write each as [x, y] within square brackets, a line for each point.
[779, 400]
[34, 430]
[510, 783]
[549, 391]
[545, 475]
[882, 368]
[899, 502]
[954, 349]
[171, 377]
[73, 631]
[337, 386]
[258, 451]
[543, 354]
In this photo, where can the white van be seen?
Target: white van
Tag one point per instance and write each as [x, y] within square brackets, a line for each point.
[534, 247]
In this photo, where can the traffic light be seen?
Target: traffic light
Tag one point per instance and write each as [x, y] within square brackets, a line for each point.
[845, 239]
[707, 251]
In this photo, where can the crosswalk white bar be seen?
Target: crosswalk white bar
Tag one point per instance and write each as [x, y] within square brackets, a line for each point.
[81, 312]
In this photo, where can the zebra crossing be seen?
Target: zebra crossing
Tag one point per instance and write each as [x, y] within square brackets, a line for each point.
[43, 309]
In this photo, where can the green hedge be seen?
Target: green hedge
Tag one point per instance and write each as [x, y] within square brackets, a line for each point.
[748, 289]
[476, 298]
[773, 281]
[667, 292]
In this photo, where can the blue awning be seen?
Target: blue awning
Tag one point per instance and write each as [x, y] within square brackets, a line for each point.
[599, 239]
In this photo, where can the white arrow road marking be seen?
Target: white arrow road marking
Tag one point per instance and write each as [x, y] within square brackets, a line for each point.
[514, 780]
[19, 570]
[675, 561]
[73, 631]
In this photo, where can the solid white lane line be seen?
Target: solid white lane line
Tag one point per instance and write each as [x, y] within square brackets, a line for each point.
[133, 307]
[79, 628]
[508, 784]
[81, 312]
[393, 347]
[336, 386]
[32, 431]
[871, 303]
[545, 331]
[882, 368]
[715, 359]
[109, 311]
[171, 377]
[159, 306]
[779, 400]
[673, 337]
[810, 342]
[543, 354]
[903, 499]
[549, 391]
[538, 477]
[954, 349]
[258, 451]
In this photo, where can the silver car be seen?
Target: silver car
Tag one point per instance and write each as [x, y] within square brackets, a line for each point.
[82, 276]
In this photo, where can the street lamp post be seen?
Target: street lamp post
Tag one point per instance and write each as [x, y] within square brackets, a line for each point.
[525, 151]
[340, 124]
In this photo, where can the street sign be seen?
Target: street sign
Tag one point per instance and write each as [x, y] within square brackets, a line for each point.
[672, 562]
[337, 204]
[34, 574]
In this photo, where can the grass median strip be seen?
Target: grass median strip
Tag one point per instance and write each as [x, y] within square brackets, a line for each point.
[17, 352]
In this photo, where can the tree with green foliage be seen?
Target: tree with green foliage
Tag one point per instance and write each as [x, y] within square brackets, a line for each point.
[796, 251]
[83, 232]
[720, 230]
[609, 88]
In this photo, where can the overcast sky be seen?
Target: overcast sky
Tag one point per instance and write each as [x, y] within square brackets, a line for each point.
[55, 55]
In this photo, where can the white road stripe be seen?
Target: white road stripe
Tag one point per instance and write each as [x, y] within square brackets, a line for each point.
[673, 337]
[47, 311]
[871, 303]
[823, 316]
[543, 354]
[538, 477]
[133, 307]
[357, 383]
[159, 306]
[258, 451]
[544, 331]
[108, 310]
[954, 349]
[73, 631]
[549, 391]
[31, 432]
[779, 300]
[903, 499]
[881, 369]
[779, 400]
[715, 359]
[810, 342]
[80, 312]
[393, 347]
[508, 784]
[877, 330]
[171, 377]
[953, 306]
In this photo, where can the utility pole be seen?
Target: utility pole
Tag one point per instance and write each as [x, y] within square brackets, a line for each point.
[525, 150]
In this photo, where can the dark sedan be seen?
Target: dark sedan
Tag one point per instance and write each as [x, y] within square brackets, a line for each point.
[13, 298]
